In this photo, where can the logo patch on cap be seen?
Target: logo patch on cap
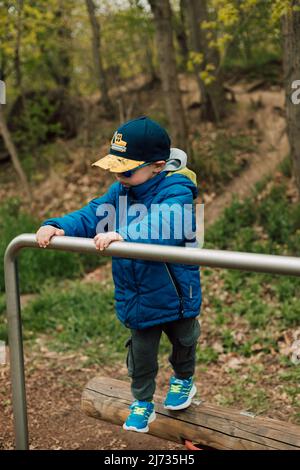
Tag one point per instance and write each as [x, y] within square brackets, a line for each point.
[117, 143]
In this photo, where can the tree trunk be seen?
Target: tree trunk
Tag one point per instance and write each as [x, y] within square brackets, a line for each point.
[62, 68]
[213, 95]
[13, 153]
[96, 43]
[181, 36]
[291, 64]
[17, 59]
[167, 64]
[149, 61]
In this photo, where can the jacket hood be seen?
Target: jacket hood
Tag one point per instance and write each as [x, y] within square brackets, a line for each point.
[176, 166]
[176, 161]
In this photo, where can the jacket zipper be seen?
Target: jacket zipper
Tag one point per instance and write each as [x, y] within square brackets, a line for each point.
[138, 293]
[176, 287]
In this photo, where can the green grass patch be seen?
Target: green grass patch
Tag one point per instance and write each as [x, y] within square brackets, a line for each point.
[245, 391]
[265, 224]
[74, 317]
[77, 317]
[206, 355]
[276, 217]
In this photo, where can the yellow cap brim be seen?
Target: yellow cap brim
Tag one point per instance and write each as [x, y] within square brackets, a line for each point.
[116, 164]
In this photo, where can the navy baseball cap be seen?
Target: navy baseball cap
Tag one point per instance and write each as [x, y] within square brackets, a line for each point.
[136, 142]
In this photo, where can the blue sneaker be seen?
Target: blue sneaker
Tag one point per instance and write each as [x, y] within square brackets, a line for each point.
[142, 413]
[180, 394]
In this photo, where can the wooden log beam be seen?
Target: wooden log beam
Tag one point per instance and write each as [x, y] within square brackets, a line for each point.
[214, 426]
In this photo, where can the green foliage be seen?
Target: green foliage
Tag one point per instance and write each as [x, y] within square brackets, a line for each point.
[55, 42]
[218, 159]
[40, 40]
[129, 28]
[260, 299]
[195, 59]
[282, 7]
[286, 166]
[236, 222]
[242, 32]
[33, 126]
[37, 265]
[263, 64]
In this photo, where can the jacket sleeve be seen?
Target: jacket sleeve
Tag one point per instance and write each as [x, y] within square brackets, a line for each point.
[170, 222]
[83, 222]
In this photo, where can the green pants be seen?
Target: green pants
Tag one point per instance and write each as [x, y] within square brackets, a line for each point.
[142, 356]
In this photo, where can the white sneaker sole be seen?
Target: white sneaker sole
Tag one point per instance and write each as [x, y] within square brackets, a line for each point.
[186, 404]
[152, 417]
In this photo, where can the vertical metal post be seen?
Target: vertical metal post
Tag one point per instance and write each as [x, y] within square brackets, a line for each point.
[16, 351]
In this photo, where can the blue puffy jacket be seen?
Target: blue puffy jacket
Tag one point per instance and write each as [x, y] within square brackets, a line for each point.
[147, 293]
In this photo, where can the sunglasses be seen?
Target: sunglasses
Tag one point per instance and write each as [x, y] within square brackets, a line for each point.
[129, 173]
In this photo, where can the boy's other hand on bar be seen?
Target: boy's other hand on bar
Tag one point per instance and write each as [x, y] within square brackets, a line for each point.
[103, 240]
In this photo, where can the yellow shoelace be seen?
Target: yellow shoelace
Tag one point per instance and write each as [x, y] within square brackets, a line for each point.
[138, 410]
[175, 388]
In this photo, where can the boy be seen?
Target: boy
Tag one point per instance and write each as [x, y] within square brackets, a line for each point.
[150, 297]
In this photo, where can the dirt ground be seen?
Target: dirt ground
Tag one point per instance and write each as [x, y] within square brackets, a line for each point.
[54, 384]
[55, 381]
